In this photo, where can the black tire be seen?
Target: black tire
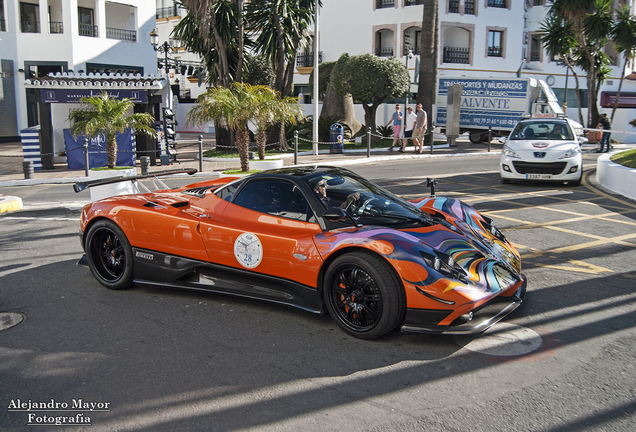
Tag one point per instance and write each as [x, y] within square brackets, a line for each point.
[109, 255]
[476, 137]
[505, 181]
[363, 295]
[578, 181]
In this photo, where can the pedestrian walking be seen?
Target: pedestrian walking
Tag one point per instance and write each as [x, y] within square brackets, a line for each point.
[420, 128]
[605, 140]
[396, 118]
[409, 125]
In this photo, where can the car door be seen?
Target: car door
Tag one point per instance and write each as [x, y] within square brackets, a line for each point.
[268, 228]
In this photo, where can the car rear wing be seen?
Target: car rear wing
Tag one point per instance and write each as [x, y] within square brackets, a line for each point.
[80, 186]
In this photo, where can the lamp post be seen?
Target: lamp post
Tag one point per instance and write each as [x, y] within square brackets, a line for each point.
[164, 48]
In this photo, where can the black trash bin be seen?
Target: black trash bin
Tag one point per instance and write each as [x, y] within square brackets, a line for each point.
[336, 138]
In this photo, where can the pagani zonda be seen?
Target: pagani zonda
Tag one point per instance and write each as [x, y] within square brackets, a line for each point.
[313, 238]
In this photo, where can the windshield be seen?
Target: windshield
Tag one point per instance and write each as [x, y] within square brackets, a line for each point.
[363, 200]
[549, 130]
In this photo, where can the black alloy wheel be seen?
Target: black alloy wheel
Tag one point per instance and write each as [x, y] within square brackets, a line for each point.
[363, 295]
[109, 255]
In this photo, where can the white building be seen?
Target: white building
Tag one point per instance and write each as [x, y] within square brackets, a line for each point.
[38, 37]
[477, 38]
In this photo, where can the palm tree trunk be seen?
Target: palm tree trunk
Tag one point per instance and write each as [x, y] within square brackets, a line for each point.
[618, 93]
[111, 152]
[428, 58]
[243, 142]
[261, 140]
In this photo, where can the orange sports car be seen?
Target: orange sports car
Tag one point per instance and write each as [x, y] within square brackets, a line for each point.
[315, 238]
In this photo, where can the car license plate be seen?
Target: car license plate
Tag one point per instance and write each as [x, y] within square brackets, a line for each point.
[538, 176]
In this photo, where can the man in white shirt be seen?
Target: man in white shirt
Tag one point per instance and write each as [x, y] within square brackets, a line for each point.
[409, 125]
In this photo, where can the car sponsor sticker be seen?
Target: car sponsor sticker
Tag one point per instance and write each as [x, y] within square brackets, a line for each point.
[248, 250]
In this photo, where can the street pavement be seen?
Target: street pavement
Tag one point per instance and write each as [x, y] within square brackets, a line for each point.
[12, 174]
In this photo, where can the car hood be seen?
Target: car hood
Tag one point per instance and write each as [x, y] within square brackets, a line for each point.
[539, 145]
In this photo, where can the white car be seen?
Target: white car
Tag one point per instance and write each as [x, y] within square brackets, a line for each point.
[542, 148]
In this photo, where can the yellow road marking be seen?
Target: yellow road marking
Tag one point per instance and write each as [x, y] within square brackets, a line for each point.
[581, 267]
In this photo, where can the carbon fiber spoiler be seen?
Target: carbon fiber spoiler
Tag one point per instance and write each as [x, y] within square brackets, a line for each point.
[80, 186]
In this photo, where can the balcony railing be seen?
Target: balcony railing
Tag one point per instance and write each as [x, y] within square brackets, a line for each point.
[535, 56]
[414, 2]
[30, 26]
[469, 7]
[121, 34]
[89, 30]
[494, 51]
[453, 6]
[456, 55]
[56, 28]
[167, 12]
[307, 59]
[384, 52]
[3, 25]
[379, 4]
[497, 3]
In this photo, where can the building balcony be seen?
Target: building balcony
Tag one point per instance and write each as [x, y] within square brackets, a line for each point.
[89, 30]
[453, 6]
[307, 59]
[379, 4]
[56, 28]
[168, 12]
[497, 3]
[414, 50]
[469, 7]
[121, 34]
[494, 51]
[535, 56]
[384, 52]
[414, 2]
[456, 55]
[30, 26]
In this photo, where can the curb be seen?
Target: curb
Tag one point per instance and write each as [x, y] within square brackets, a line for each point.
[10, 203]
[614, 177]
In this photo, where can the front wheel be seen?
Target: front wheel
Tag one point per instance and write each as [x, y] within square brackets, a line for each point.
[109, 255]
[477, 137]
[363, 295]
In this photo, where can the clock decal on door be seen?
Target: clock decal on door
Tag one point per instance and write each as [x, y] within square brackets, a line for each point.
[248, 250]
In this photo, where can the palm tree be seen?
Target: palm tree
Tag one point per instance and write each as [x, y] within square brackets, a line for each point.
[269, 108]
[624, 35]
[560, 42]
[591, 23]
[103, 115]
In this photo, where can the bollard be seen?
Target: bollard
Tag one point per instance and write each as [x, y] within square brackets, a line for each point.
[295, 147]
[145, 164]
[200, 153]
[27, 167]
[369, 142]
[489, 137]
[86, 167]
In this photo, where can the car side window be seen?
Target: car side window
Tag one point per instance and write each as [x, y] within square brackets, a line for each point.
[275, 197]
[227, 192]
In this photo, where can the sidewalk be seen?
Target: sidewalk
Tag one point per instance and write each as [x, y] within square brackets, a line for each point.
[11, 171]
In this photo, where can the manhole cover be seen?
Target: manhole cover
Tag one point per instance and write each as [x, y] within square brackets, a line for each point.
[503, 339]
[10, 319]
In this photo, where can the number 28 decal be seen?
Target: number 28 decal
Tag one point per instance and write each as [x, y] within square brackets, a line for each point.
[248, 250]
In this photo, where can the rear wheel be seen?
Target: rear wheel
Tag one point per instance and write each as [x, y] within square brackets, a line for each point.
[109, 255]
[363, 295]
[476, 137]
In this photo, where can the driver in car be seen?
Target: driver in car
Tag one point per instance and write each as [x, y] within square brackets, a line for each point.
[321, 190]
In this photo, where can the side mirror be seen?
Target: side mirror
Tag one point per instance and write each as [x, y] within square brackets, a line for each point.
[583, 140]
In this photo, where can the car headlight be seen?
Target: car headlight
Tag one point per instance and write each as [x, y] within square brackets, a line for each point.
[571, 153]
[507, 151]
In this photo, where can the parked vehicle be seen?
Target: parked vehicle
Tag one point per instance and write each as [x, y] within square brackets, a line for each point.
[543, 147]
[314, 238]
[494, 103]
